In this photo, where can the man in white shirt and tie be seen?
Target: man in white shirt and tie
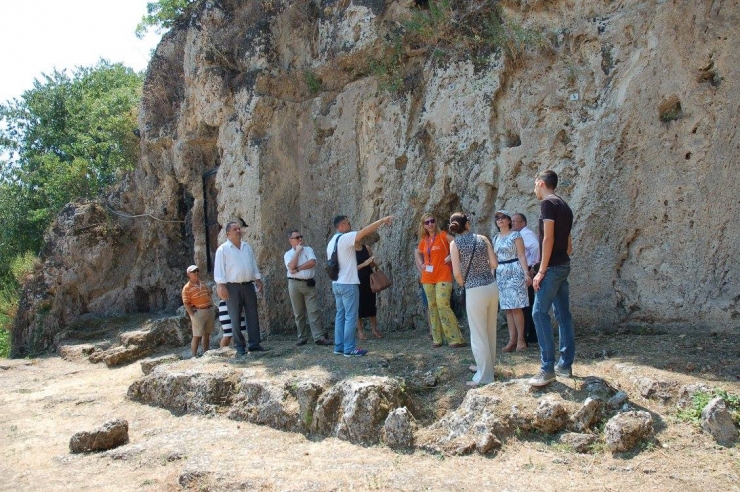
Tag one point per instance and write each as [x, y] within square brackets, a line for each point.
[532, 254]
[300, 262]
[238, 280]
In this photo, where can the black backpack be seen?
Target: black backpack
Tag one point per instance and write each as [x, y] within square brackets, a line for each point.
[332, 266]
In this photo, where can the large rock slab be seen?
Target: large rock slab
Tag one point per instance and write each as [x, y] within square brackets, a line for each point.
[188, 391]
[112, 434]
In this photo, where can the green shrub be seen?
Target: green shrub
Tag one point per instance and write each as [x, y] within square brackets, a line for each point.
[702, 398]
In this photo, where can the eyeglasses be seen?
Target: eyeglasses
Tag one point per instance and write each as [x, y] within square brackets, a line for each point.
[297, 237]
[430, 222]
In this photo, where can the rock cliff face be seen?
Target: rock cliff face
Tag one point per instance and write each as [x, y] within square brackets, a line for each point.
[282, 114]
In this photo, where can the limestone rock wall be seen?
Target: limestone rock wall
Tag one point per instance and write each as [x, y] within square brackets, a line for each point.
[634, 103]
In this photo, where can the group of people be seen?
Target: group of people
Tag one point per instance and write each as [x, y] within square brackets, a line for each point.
[523, 274]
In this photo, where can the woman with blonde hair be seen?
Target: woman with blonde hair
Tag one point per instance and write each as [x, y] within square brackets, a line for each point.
[433, 261]
[474, 264]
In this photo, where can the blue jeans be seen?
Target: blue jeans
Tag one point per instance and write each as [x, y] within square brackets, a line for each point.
[554, 291]
[347, 297]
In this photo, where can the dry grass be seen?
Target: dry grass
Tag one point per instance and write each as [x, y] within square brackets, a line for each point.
[46, 400]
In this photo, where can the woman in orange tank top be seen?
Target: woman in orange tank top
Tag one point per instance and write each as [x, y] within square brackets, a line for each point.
[433, 262]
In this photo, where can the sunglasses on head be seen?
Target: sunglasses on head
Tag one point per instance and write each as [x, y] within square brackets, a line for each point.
[430, 221]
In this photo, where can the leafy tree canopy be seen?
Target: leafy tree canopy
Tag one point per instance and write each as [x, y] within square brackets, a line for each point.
[66, 138]
[162, 14]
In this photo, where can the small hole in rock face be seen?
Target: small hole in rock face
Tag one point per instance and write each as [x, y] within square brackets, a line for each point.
[688, 155]
[670, 109]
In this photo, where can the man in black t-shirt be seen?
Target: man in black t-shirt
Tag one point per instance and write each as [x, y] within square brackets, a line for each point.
[551, 282]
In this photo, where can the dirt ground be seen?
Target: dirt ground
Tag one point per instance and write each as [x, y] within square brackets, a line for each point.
[44, 401]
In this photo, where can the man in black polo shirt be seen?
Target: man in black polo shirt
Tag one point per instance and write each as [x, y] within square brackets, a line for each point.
[551, 281]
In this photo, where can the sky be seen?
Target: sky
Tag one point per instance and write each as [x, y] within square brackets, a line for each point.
[38, 36]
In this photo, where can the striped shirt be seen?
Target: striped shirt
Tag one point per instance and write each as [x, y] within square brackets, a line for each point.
[197, 295]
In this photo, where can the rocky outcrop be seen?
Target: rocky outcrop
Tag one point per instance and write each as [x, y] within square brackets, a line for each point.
[283, 114]
[111, 435]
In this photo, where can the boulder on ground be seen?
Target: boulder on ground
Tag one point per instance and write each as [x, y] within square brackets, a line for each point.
[617, 400]
[112, 434]
[717, 421]
[588, 415]
[398, 430]
[598, 388]
[625, 430]
[551, 416]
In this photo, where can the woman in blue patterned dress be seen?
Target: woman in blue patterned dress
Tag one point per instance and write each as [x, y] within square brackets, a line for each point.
[512, 278]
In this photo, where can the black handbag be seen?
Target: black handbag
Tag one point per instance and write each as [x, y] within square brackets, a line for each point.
[332, 266]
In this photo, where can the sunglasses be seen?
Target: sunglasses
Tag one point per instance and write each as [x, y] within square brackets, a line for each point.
[430, 222]
[297, 237]
[500, 217]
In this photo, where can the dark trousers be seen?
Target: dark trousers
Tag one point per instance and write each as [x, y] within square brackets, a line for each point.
[530, 333]
[243, 298]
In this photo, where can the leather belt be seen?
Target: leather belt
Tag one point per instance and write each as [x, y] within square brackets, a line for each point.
[298, 279]
[508, 261]
[207, 307]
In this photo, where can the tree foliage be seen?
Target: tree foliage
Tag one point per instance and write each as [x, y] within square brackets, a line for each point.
[162, 14]
[66, 138]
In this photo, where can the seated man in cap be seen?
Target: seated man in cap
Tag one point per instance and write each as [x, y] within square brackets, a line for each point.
[196, 298]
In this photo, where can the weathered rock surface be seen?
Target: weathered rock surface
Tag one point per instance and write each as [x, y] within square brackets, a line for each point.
[657, 389]
[112, 434]
[148, 365]
[598, 388]
[587, 416]
[398, 429]
[625, 430]
[551, 416]
[277, 110]
[185, 391]
[355, 410]
[479, 424]
[717, 421]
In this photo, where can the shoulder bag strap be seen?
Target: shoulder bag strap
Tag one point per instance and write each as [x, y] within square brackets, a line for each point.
[475, 243]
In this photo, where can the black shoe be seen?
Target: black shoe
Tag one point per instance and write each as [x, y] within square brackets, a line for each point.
[323, 341]
[258, 348]
[300, 343]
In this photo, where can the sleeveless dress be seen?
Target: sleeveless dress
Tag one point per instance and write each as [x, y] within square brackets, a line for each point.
[367, 296]
[512, 288]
